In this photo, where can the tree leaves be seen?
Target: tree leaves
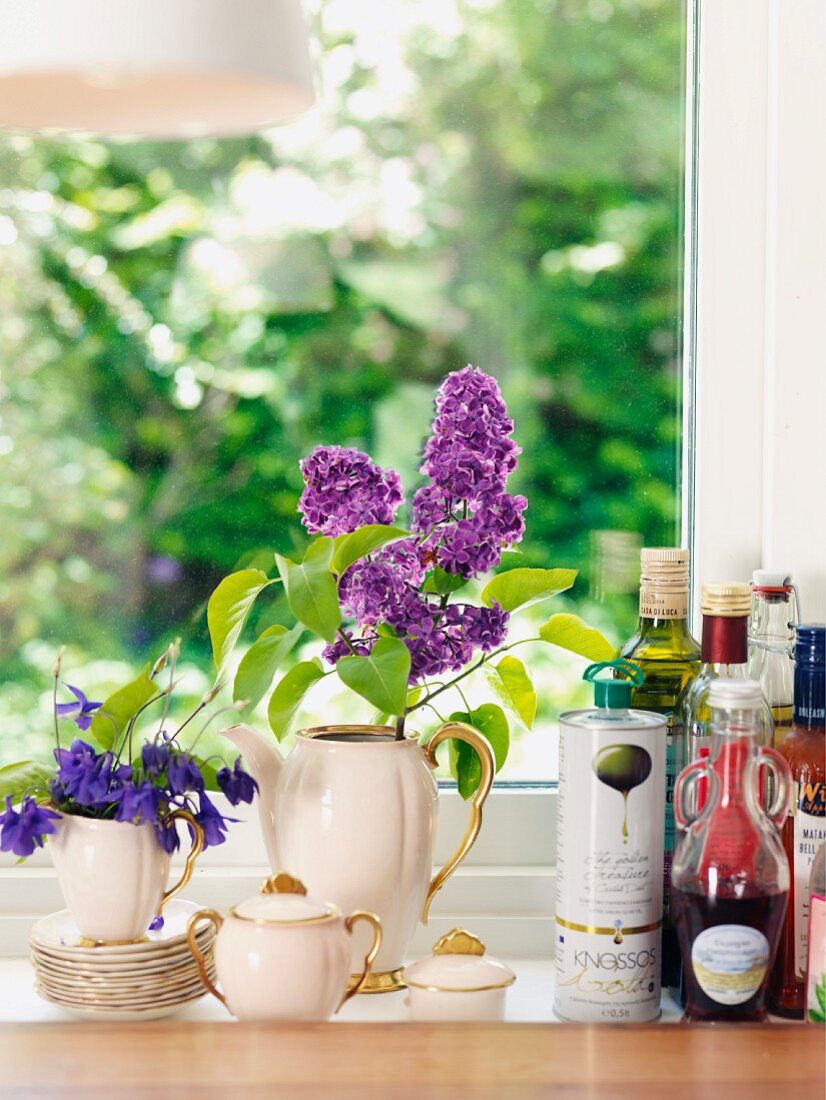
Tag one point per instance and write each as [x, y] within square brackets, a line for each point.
[16, 779]
[572, 633]
[350, 548]
[510, 680]
[523, 587]
[228, 608]
[261, 661]
[113, 717]
[311, 589]
[490, 720]
[289, 695]
[381, 676]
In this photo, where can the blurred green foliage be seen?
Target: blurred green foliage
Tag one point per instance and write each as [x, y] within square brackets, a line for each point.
[495, 181]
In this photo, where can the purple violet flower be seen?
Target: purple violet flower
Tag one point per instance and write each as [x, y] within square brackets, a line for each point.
[184, 775]
[212, 822]
[237, 785]
[344, 490]
[167, 836]
[22, 832]
[87, 777]
[81, 710]
[139, 804]
[154, 758]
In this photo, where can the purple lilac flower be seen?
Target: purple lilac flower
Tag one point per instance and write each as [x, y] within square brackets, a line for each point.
[482, 628]
[333, 653]
[87, 777]
[370, 590]
[184, 775]
[407, 558]
[431, 505]
[80, 710]
[154, 758]
[139, 804]
[344, 490]
[22, 832]
[237, 785]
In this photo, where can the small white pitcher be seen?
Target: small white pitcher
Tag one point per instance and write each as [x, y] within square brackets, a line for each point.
[281, 955]
[113, 874]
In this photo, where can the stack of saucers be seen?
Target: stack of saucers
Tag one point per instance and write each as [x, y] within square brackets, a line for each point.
[136, 981]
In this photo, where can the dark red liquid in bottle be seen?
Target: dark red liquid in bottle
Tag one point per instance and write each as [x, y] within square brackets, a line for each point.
[731, 975]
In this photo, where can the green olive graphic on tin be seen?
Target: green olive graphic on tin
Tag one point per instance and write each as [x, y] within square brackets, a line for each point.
[622, 767]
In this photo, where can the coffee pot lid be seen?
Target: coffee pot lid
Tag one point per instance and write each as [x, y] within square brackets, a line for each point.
[283, 899]
[458, 964]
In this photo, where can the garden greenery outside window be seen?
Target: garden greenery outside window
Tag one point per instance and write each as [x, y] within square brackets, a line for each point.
[489, 181]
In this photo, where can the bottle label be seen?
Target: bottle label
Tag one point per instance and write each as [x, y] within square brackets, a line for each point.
[659, 604]
[816, 981]
[809, 834]
[730, 962]
[609, 873]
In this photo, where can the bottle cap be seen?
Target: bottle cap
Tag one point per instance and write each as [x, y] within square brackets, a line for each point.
[614, 694]
[810, 644]
[664, 565]
[735, 694]
[768, 580]
[728, 601]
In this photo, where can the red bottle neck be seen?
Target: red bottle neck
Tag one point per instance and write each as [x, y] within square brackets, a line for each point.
[725, 640]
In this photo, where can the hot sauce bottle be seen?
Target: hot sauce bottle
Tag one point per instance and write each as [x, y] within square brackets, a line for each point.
[730, 878]
[805, 829]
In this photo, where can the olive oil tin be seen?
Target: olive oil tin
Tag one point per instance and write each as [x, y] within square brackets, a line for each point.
[609, 860]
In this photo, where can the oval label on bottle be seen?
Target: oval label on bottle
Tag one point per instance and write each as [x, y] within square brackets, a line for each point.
[730, 962]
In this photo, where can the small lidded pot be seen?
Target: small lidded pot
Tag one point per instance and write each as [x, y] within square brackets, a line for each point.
[458, 981]
[282, 955]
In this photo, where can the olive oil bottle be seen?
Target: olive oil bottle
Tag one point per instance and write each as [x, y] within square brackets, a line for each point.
[668, 657]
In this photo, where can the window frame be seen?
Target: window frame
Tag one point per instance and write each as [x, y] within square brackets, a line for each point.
[756, 61]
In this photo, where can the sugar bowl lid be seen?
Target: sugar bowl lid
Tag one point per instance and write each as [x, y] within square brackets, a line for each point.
[458, 964]
[283, 899]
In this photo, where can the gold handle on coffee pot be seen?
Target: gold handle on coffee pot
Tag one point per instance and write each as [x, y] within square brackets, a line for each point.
[460, 731]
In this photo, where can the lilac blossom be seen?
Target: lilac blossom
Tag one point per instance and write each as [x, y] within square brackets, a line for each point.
[345, 489]
[81, 710]
[333, 653]
[22, 832]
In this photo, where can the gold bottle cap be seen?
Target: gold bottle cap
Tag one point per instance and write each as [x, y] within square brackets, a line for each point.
[728, 601]
[664, 582]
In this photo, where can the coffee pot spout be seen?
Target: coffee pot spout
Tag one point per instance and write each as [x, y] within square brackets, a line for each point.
[264, 762]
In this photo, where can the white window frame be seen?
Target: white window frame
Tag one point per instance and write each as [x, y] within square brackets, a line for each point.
[754, 418]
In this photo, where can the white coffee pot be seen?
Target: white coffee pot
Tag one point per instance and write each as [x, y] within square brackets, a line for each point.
[282, 955]
[352, 811]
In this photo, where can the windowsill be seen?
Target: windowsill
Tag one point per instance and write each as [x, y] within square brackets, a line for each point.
[530, 1000]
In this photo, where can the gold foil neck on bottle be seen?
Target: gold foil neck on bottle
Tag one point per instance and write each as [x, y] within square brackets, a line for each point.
[728, 601]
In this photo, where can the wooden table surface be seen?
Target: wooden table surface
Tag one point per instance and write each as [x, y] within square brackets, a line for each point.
[407, 1061]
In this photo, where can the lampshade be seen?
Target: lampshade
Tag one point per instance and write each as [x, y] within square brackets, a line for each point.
[155, 68]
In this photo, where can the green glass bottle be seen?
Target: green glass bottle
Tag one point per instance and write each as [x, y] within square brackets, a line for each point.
[669, 657]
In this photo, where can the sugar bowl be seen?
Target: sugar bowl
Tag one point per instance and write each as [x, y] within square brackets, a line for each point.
[282, 955]
[458, 981]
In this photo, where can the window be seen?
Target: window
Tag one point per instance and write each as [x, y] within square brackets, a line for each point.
[495, 181]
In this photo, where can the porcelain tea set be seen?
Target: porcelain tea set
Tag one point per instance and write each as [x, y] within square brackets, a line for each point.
[288, 954]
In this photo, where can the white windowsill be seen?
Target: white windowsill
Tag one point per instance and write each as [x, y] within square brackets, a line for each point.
[529, 1000]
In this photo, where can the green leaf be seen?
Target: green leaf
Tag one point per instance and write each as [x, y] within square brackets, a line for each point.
[522, 587]
[358, 544]
[228, 608]
[120, 706]
[572, 633]
[510, 680]
[381, 676]
[311, 589]
[17, 778]
[381, 717]
[289, 695]
[490, 720]
[441, 583]
[261, 661]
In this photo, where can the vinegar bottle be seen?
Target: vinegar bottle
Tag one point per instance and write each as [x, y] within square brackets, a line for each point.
[730, 878]
[771, 639]
[805, 829]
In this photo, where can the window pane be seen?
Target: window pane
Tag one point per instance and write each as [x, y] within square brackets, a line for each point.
[493, 181]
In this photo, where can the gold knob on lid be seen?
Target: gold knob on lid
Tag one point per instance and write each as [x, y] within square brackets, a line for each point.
[282, 883]
[459, 942]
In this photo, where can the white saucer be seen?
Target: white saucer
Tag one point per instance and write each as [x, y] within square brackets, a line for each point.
[59, 934]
